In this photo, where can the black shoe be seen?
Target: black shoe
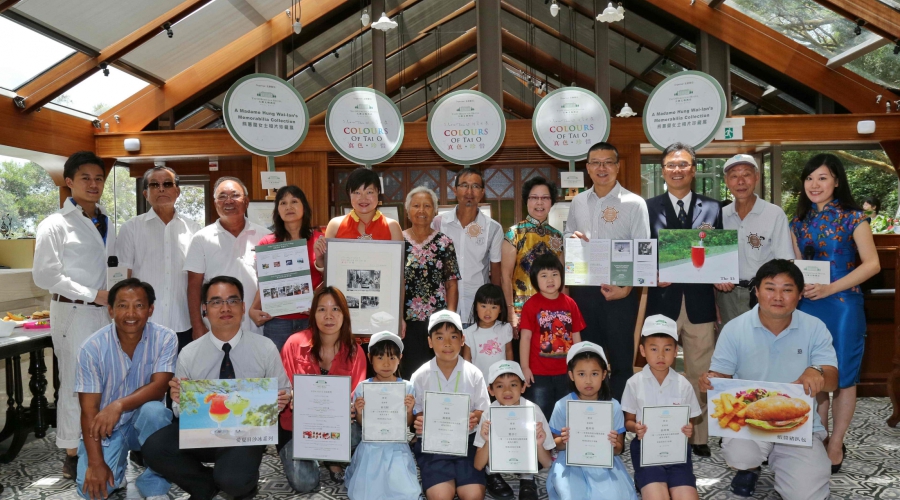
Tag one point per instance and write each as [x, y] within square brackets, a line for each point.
[70, 467]
[337, 477]
[528, 489]
[701, 450]
[136, 457]
[744, 483]
[497, 487]
[835, 468]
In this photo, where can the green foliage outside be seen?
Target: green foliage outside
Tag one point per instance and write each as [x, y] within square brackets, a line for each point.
[27, 194]
[675, 244]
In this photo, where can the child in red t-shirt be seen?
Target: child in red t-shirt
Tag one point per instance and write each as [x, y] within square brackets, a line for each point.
[549, 324]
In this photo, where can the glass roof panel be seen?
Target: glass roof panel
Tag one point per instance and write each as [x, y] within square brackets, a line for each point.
[99, 93]
[880, 66]
[891, 3]
[33, 54]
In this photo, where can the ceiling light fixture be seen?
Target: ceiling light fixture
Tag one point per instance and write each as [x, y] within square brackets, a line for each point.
[626, 112]
[105, 67]
[384, 23]
[611, 14]
[364, 19]
[297, 27]
[858, 29]
[336, 55]
[554, 9]
[168, 27]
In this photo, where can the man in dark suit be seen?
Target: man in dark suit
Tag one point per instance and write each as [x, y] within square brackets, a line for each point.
[693, 305]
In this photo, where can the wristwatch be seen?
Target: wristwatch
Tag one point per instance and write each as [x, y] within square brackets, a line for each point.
[818, 369]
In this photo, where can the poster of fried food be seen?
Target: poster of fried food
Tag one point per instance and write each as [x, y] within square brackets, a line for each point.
[760, 411]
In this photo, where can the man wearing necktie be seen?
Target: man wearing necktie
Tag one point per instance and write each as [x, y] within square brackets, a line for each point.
[694, 305]
[224, 352]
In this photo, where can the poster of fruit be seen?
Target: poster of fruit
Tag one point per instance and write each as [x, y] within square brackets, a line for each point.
[228, 412]
[760, 411]
[698, 256]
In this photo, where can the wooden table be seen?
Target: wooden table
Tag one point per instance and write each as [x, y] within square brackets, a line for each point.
[39, 414]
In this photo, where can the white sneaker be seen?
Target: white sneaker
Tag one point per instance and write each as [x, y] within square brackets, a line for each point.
[158, 497]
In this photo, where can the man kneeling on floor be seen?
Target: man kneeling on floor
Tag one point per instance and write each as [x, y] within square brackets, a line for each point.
[123, 374]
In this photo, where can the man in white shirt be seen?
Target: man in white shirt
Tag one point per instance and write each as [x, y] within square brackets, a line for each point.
[70, 261]
[763, 234]
[153, 246]
[226, 247]
[477, 238]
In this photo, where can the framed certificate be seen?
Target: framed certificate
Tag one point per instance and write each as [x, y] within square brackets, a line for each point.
[445, 429]
[589, 423]
[815, 272]
[513, 445]
[384, 416]
[322, 418]
[664, 443]
[370, 274]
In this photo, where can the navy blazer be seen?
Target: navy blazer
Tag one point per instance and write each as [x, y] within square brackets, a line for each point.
[700, 300]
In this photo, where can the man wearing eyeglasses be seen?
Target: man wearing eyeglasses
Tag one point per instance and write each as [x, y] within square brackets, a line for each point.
[608, 211]
[225, 247]
[153, 247]
[226, 352]
[693, 305]
[476, 237]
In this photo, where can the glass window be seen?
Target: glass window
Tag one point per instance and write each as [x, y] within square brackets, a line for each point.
[27, 196]
[26, 54]
[119, 198]
[192, 202]
[98, 93]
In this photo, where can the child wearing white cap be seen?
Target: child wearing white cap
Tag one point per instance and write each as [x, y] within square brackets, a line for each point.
[589, 372]
[383, 470]
[507, 384]
[659, 385]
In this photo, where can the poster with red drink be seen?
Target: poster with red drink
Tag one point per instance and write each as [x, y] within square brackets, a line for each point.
[698, 256]
[218, 413]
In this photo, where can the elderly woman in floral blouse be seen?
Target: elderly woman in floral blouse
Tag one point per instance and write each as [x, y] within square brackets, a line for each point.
[432, 275]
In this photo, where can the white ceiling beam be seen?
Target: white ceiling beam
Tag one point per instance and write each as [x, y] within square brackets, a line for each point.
[857, 51]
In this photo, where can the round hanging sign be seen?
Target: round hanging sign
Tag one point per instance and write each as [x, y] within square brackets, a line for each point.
[466, 127]
[364, 125]
[266, 115]
[686, 107]
[568, 121]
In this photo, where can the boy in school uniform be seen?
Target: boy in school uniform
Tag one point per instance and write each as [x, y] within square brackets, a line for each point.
[444, 476]
[506, 385]
[659, 385]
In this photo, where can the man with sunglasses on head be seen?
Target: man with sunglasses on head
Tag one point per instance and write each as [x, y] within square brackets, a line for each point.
[226, 247]
[153, 247]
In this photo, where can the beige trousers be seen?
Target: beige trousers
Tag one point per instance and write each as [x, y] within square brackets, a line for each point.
[801, 473]
[698, 342]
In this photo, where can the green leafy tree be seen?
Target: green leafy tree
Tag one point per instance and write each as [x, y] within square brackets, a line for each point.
[119, 198]
[192, 204]
[27, 194]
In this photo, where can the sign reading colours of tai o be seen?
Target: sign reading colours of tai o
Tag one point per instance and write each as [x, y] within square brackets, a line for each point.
[686, 107]
[364, 125]
[265, 115]
[466, 127]
[568, 121]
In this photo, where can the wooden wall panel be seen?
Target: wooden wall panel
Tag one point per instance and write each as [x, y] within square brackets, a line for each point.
[309, 172]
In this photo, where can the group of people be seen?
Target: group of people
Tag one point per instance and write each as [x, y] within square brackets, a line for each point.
[476, 299]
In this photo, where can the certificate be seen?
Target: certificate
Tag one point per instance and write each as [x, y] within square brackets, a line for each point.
[513, 445]
[589, 423]
[322, 418]
[445, 429]
[285, 285]
[815, 272]
[664, 443]
[384, 416]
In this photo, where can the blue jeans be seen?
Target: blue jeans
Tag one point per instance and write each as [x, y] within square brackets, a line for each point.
[547, 390]
[146, 420]
[303, 475]
[278, 330]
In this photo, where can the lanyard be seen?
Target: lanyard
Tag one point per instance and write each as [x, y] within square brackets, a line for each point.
[440, 388]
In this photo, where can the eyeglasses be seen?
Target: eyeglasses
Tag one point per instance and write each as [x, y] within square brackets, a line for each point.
[231, 301]
[164, 185]
[225, 197]
[608, 164]
[474, 187]
[545, 199]
[678, 166]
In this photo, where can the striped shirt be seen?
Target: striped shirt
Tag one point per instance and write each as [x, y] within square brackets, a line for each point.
[104, 368]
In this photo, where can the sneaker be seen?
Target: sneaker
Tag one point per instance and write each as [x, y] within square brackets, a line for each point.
[528, 489]
[498, 487]
[70, 467]
[744, 482]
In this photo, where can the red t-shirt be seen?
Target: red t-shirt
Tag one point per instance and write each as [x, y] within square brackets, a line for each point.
[552, 324]
[314, 275]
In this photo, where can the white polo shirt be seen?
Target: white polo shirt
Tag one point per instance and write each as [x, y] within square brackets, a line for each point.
[549, 443]
[70, 255]
[620, 215]
[465, 379]
[155, 251]
[763, 235]
[642, 389]
[477, 246]
[216, 252]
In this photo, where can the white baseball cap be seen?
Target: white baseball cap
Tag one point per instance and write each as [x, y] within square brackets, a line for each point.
[503, 367]
[585, 346]
[740, 160]
[659, 324]
[445, 316]
[380, 336]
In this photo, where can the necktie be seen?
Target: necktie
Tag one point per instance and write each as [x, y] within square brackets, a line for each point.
[682, 215]
[227, 369]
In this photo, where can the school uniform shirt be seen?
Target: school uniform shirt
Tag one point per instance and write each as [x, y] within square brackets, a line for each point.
[155, 251]
[488, 345]
[763, 235]
[464, 379]
[644, 390]
[216, 252]
[552, 323]
[539, 418]
[477, 246]
[620, 215]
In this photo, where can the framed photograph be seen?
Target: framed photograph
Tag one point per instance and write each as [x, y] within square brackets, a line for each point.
[370, 274]
[698, 255]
